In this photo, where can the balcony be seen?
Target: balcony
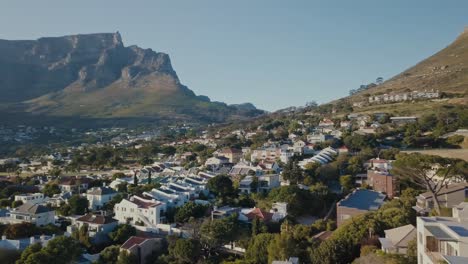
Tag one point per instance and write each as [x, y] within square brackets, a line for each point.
[435, 257]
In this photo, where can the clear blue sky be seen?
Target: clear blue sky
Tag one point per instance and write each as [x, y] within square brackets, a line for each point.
[273, 53]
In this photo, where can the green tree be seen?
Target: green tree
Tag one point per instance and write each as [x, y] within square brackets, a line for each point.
[122, 233]
[109, 255]
[346, 182]
[78, 204]
[188, 210]
[218, 232]
[423, 170]
[293, 172]
[185, 251]
[126, 258]
[17, 203]
[257, 252]
[221, 186]
[50, 189]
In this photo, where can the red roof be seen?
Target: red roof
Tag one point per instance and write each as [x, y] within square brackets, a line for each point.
[132, 241]
[257, 212]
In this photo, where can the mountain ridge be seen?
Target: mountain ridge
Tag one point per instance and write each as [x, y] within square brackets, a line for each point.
[95, 75]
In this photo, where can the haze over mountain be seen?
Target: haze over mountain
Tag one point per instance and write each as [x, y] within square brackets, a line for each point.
[96, 76]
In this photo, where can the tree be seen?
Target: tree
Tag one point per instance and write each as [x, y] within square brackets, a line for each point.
[258, 227]
[257, 252]
[60, 250]
[109, 255]
[34, 248]
[50, 189]
[218, 232]
[221, 186]
[82, 235]
[293, 172]
[17, 203]
[188, 210]
[135, 178]
[346, 182]
[379, 80]
[78, 204]
[21, 230]
[127, 258]
[122, 233]
[429, 172]
[185, 251]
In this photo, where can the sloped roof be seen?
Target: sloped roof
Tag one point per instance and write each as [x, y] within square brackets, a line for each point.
[96, 219]
[257, 212]
[396, 235]
[101, 191]
[132, 241]
[30, 208]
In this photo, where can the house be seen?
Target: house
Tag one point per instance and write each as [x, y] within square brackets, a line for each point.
[279, 211]
[345, 124]
[232, 154]
[291, 260]
[396, 239]
[242, 169]
[225, 211]
[442, 239]
[141, 247]
[250, 214]
[268, 181]
[74, 184]
[448, 196]
[402, 120]
[378, 164]
[34, 198]
[99, 196]
[326, 155]
[139, 211]
[358, 202]
[318, 137]
[98, 225]
[31, 213]
[22, 243]
[246, 184]
[59, 199]
[382, 181]
[216, 162]
[326, 125]
[268, 166]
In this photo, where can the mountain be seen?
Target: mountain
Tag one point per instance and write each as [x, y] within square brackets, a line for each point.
[96, 76]
[446, 71]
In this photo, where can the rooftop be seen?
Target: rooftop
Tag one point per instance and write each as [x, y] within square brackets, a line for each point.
[363, 199]
[96, 219]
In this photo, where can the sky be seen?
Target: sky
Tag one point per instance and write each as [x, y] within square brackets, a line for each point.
[272, 53]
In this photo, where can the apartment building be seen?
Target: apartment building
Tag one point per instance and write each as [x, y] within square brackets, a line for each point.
[443, 239]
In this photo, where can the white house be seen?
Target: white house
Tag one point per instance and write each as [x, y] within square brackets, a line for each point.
[139, 211]
[34, 198]
[31, 213]
[99, 196]
[97, 224]
[443, 239]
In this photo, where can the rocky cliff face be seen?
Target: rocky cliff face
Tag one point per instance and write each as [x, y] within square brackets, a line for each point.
[34, 68]
[96, 75]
